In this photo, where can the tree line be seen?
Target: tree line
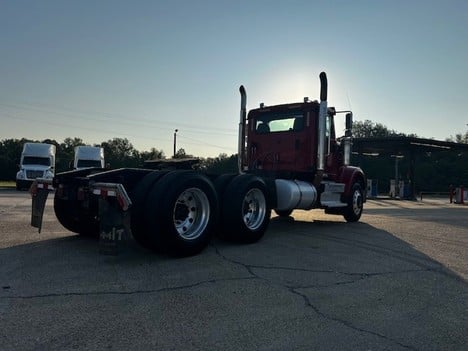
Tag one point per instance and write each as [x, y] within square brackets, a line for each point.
[118, 153]
[369, 129]
[434, 171]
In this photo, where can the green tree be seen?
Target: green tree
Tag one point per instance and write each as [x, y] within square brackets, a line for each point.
[119, 152]
[10, 154]
[66, 153]
[369, 129]
[153, 154]
[181, 154]
[219, 165]
[69, 144]
[459, 138]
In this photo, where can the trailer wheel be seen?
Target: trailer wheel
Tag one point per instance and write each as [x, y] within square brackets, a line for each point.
[245, 211]
[353, 211]
[138, 223]
[69, 216]
[181, 211]
[283, 213]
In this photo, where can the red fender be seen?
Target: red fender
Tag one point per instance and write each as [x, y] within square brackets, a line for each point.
[350, 175]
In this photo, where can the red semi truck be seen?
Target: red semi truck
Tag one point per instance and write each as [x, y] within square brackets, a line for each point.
[289, 158]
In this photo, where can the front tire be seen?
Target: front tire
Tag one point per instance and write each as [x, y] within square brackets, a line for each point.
[22, 184]
[353, 211]
[245, 210]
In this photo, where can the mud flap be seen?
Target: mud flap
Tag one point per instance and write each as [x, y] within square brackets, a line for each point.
[114, 227]
[39, 199]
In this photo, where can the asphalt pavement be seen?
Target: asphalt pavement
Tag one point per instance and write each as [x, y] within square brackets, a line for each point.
[396, 280]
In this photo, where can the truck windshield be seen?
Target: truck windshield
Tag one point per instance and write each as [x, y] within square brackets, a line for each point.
[32, 160]
[88, 163]
[291, 121]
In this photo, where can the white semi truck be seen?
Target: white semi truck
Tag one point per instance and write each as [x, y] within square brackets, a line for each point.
[37, 161]
[88, 156]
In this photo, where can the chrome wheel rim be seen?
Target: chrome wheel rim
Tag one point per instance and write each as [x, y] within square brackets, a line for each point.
[254, 209]
[357, 202]
[191, 213]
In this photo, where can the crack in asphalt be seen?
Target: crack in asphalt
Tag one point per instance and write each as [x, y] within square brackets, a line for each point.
[347, 323]
[132, 292]
[389, 252]
[361, 276]
[294, 290]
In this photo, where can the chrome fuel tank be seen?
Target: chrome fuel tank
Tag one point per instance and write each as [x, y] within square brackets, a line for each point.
[295, 194]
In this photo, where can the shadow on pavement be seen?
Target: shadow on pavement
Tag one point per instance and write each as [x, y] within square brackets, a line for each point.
[302, 285]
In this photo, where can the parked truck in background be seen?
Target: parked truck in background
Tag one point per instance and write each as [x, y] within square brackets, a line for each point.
[289, 158]
[37, 161]
[88, 156]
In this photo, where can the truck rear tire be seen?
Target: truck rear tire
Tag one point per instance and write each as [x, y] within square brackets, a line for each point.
[181, 211]
[245, 209]
[69, 216]
[138, 223]
[221, 183]
[353, 212]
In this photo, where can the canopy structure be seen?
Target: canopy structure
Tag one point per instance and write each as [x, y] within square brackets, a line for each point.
[403, 147]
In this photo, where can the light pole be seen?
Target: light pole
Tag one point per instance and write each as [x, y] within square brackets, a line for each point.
[175, 141]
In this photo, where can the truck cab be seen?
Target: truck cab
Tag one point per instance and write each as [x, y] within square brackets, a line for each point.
[279, 139]
[37, 161]
[295, 145]
[283, 141]
[88, 157]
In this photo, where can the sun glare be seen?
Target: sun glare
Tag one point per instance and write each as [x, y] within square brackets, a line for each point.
[289, 87]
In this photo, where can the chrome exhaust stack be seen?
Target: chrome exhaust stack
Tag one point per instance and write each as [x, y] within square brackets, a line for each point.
[347, 140]
[242, 122]
[322, 122]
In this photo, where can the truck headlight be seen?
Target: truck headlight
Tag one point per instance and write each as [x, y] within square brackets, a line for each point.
[20, 175]
[49, 174]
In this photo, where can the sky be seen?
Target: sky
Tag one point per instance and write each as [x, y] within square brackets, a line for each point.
[141, 69]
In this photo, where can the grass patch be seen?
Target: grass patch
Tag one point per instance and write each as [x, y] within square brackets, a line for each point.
[7, 183]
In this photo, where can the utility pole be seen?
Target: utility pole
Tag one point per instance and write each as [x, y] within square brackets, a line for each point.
[175, 142]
